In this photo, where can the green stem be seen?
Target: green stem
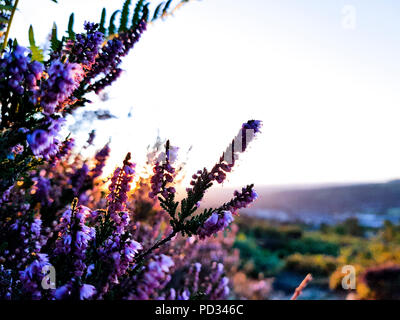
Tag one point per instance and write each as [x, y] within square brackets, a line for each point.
[9, 26]
[158, 244]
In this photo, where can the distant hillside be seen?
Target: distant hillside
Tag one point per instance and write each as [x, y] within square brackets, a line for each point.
[371, 197]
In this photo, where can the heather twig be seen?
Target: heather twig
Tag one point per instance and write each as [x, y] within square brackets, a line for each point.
[301, 287]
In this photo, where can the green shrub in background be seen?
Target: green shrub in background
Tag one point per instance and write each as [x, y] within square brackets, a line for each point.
[318, 264]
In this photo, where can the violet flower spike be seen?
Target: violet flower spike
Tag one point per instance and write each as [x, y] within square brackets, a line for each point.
[101, 158]
[119, 187]
[215, 223]
[63, 79]
[164, 174]
[241, 199]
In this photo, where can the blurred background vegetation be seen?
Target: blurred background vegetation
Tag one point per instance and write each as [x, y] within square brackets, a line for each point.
[286, 252]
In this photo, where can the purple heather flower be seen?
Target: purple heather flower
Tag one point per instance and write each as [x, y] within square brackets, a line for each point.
[129, 39]
[216, 222]
[171, 155]
[5, 197]
[241, 199]
[36, 227]
[6, 280]
[222, 289]
[63, 79]
[18, 72]
[17, 149]
[42, 189]
[74, 237]
[185, 295]
[37, 69]
[163, 174]
[32, 276]
[63, 151]
[62, 292]
[78, 179]
[25, 239]
[217, 285]
[171, 294]
[87, 291]
[89, 270]
[120, 186]
[23, 130]
[119, 255]
[165, 263]
[113, 75]
[45, 143]
[226, 161]
[248, 132]
[110, 57]
[192, 280]
[155, 277]
[39, 140]
[239, 144]
[85, 48]
[253, 124]
[131, 249]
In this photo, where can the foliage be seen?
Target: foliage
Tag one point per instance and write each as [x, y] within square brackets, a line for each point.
[255, 260]
[270, 248]
[318, 264]
[298, 249]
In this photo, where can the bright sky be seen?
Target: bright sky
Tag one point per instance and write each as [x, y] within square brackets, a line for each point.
[326, 86]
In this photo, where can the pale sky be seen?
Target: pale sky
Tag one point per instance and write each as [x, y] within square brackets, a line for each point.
[328, 92]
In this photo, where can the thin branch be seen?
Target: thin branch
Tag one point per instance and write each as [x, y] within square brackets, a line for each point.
[158, 244]
[9, 26]
[301, 287]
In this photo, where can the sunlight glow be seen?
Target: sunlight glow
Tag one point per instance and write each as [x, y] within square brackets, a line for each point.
[329, 96]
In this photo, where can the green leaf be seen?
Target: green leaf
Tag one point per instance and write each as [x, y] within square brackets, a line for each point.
[71, 33]
[157, 11]
[37, 53]
[145, 13]
[31, 36]
[102, 29]
[55, 44]
[166, 7]
[111, 27]
[54, 32]
[136, 13]
[6, 7]
[123, 26]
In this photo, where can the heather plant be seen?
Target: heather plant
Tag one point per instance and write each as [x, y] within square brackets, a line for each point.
[66, 230]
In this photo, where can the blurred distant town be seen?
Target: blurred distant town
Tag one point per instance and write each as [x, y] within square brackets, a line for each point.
[370, 203]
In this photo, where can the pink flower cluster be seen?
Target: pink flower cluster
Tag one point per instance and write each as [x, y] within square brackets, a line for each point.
[163, 174]
[216, 222]
[63, 79]
[120, 186]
